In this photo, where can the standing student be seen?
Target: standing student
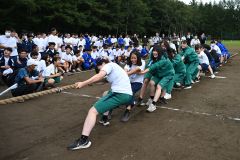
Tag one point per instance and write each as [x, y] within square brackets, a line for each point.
[190, 58]
[134, 66]
[120, 94]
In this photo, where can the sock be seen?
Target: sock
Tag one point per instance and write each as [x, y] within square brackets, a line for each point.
[104, 118]
[151, 97]
[84, 138]
[154, 103]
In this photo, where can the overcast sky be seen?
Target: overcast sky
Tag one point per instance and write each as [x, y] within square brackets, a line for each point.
[204, 1]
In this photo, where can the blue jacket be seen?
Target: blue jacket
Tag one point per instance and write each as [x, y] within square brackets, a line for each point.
[2, 63]
[27, 45]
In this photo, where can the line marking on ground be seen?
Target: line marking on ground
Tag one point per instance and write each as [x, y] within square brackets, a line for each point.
[222, 117]
[218, 77]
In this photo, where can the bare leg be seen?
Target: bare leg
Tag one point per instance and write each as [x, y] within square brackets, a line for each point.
[89, 121]
[152, 88]
[157, 93]
[144, 87]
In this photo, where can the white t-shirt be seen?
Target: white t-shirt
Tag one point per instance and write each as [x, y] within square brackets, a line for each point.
[127, 41]
[114, 40]
[117, 52]
[51, 69]
[203, 58]
[40, 42]
[52, 38]
[136, 77]
[75, 41]
[195, 42]
[216, 48]
[82, 42]
[118, 78]
[95, 54]
[111, 54]
[6, 59]
[67, 57]
[127, 53]
[68, 41]
[41, 66]
[9, 42]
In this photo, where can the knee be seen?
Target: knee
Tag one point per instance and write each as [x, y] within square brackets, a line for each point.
[152, 83]
[51, 81]
[93, 111]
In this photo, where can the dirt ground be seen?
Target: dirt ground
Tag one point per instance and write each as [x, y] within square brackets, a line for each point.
[40, 129]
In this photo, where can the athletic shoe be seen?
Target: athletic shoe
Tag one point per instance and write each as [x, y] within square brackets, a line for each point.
[187, 87]
[151, 108]
[149, 102]
[197, 80]
[104, 122]
[125, 116]
[212, 76]
[79, 144]
[168, 96]
[163, 100]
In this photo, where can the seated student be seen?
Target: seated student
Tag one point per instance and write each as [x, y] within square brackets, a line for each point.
[35, 48]
[67, 57]
[218, 51]
[224, 50]
[104, 53]
[28, 79]
[162, 74]
[78, 60]
[180, 72]
[134, 66]
[5, 67]
[95, 55]
[190, 58]
[89, 62]
[117, 54]
[51, 50]
[19, 62]
[41, 64]
[111, 56]
[127, 52]
[204, 64]
[144, 52]
[154, 57]
[51, 73]
[27, 44]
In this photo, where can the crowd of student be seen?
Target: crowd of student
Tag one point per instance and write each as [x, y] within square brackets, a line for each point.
[38, 62]
[32, 63]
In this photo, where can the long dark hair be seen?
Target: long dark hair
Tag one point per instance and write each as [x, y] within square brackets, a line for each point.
[139, 62]
[159, 50]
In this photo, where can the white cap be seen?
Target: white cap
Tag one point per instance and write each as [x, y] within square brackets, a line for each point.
[31, 62]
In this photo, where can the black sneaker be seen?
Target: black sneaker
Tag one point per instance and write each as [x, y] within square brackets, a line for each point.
[125, 116]
[163, 100]
[104, 121]
[79, 144]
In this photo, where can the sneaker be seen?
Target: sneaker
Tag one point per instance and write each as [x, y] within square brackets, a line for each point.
[125, 116]
[149, 102]
[212, 76]
[151, 108]
[104, 122]
[79, 144]
[163, 100]
[140, 103]
[168, 96]
[78, 70]
[187, 87]
[197, 80]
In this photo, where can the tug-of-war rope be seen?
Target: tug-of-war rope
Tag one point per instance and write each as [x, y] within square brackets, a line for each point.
[42, 93]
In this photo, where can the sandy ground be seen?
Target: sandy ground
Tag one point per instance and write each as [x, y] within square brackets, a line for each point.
[200, 129]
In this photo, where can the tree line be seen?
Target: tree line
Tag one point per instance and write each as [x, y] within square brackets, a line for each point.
[144, 17]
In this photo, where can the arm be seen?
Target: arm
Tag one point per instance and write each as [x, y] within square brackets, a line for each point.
[91, 80]
[31, 81]
[145, 71]
[136, 70]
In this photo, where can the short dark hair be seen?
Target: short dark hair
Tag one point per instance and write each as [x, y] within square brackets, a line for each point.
[51, 43]
[68, 46]
[8, 49]
[100, 61]
[34, 54]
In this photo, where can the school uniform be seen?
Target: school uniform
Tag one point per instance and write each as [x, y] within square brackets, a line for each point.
[191, 61]
[89, 62]
[120, 41]
[120, 93]
[15, 65]
[95, 55]
[224, 50]
[24, 88]
[136, 80]
[9, 42]
[180, 72]
[162, 72]
[203, 61]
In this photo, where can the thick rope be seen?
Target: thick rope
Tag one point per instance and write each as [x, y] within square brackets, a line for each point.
[34, 95]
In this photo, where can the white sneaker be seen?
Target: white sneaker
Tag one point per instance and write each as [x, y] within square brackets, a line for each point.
[212, 76]
[151, 108]
[149, 102]
[188, 87]
[168, 96]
